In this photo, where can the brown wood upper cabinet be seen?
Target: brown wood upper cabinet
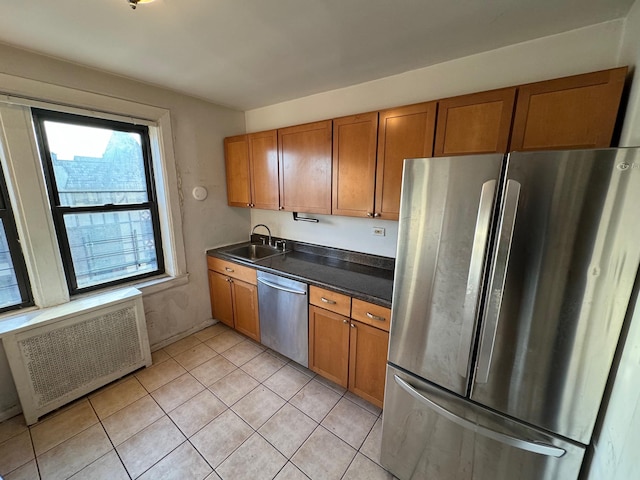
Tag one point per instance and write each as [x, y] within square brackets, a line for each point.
[263, 159]
[476, 123]
[305, 168]
[236, 159]
[252, 170]
[405, 132]
[354, 164]
[571, 112]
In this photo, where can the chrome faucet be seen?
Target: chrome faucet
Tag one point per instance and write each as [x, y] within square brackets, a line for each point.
[262, 225]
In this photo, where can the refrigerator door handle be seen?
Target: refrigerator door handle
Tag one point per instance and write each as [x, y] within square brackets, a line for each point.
[498, 277]
[474, 280]
[528, 445]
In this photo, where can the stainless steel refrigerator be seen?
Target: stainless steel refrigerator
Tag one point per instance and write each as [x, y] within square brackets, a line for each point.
[513, 277]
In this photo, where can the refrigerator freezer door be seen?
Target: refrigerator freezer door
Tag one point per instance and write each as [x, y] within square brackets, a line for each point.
[445, 220]
[428, 433]
[565, 261]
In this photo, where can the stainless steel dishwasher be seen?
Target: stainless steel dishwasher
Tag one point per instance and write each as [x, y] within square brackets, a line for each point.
[284, 316]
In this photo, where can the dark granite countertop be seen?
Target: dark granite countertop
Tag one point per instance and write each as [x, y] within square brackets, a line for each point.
[359, 275]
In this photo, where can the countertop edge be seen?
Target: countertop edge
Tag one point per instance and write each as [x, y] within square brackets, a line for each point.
[218, 253]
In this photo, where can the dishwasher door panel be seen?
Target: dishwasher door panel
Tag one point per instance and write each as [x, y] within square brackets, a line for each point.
[284, 316]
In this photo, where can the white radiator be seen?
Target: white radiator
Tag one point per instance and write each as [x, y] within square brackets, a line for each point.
[67, 351]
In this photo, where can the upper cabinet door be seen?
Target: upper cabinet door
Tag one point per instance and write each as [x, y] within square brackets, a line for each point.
[236, 156]
[405, 132]
[263, 155]
[354, 164]
[571, 112]
[305, 168]
[476, 123]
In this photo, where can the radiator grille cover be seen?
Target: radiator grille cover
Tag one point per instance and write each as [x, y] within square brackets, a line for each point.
[63, 352]
[67, 359]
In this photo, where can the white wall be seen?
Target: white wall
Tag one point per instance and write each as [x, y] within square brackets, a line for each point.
[198, 128]
[617, 438]
[578, 51]
[332, 230]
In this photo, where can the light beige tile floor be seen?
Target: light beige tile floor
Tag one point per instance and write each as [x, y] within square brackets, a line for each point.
[214, 405]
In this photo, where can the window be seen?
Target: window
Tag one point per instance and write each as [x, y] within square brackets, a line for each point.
[103, 201]
[14, 285]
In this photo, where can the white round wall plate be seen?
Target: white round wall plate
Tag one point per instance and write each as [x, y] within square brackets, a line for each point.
[199, 193]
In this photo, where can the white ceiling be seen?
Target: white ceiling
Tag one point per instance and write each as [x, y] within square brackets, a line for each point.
[252, 53]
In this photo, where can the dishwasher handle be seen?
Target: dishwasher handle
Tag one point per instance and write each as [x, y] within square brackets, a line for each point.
[280, 287]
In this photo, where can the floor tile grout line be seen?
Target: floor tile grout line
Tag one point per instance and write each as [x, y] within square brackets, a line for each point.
[33, 451]
[186, 440]
[65, 440]
[99, 422]
[235, 449]
[301, 444]
[110, 441]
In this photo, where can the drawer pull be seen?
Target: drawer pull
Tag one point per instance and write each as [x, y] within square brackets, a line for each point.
[326, 300]
[375, 317]
[228, 269]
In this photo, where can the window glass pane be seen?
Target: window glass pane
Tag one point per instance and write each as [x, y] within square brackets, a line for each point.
[9, 290]
[111, 245]
[96, 166]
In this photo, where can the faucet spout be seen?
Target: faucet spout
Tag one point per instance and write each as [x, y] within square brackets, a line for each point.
[262, 225]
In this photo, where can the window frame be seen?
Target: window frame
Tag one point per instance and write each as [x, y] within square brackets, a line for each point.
[58, 211]
[15, 249]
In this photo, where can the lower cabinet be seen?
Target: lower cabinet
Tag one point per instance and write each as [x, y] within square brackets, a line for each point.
[329, 345]
[348, 339]
[367, 361]
[234, 296]
[349, 352]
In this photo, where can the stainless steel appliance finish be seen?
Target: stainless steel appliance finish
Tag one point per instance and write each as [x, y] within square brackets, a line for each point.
[446, 205]
[431, 434]
[517, 307]
[284, 316]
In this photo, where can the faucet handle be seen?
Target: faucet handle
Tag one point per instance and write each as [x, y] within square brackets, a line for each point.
[283, 243]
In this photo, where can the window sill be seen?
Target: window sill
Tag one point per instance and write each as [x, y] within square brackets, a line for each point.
[15, 320]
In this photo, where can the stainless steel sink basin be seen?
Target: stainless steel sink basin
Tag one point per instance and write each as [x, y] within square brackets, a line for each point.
[253, 252]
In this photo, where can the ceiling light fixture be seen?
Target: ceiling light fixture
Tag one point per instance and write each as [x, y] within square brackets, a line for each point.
[134, 3]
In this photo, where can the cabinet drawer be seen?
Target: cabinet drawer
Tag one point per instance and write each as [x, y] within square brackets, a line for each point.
[232, 269]
[374, 315]
[335, 302]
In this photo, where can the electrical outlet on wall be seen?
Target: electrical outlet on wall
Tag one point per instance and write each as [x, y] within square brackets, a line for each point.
[377, 231]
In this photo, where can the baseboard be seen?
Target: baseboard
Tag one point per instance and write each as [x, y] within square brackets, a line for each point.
[180, 336]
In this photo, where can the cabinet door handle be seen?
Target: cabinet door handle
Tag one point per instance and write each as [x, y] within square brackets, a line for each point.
[375, 317]
[345, 321]
[376, 215]
[326, 300]
[353, 326]
[228, 269]
[369, 214]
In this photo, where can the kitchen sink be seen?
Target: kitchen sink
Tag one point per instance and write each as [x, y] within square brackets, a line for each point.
[253, 252]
